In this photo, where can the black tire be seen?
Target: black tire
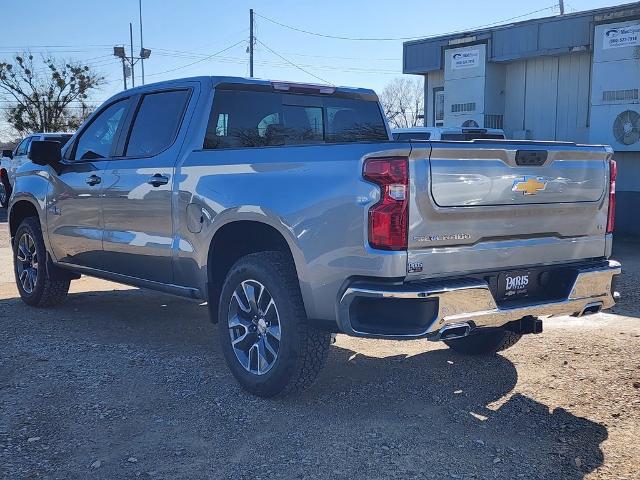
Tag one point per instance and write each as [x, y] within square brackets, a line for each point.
[45, 291]
[5, 192]
[301, 350]
[487, 342]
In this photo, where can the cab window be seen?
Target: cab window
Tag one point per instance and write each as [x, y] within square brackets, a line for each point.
[23, 147]
[96, 141]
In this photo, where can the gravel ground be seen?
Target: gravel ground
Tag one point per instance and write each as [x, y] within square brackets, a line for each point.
[123, 383]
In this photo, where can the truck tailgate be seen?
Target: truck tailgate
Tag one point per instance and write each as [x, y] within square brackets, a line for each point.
[481, 206]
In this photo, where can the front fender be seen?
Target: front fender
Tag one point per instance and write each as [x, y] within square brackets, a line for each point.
[32, 189]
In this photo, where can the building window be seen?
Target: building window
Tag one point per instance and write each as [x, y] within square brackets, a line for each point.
[438, 107]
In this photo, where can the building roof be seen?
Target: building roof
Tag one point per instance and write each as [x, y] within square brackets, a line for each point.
[531, 38]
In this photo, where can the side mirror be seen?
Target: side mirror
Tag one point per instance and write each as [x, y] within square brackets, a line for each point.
[44, 152]
[7, 153]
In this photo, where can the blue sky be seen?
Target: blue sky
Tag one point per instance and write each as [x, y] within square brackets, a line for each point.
[180, 33]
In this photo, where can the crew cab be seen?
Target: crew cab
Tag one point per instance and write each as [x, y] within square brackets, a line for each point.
[292, 212]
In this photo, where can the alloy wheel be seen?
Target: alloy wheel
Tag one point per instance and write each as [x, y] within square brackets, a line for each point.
[27, 263]
[254, 327]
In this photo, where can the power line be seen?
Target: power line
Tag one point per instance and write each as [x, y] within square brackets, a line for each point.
[293, 64]
[397, 39]
[238, 60]
[198, 61]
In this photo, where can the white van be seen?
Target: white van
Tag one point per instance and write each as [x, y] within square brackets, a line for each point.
[447, 133]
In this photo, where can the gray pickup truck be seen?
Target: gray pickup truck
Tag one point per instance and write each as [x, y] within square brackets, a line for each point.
[289, 209]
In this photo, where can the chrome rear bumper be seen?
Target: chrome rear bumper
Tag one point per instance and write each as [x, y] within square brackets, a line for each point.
[471, 301]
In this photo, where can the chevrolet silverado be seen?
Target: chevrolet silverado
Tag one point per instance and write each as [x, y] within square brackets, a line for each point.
[292, 212]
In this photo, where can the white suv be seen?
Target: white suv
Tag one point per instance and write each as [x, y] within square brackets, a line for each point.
[447, 133]
[20, 153]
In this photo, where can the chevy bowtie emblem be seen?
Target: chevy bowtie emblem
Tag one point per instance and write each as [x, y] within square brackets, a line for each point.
[529, 185]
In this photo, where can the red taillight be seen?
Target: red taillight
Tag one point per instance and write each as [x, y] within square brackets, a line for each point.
[613, 173]
[388, 219]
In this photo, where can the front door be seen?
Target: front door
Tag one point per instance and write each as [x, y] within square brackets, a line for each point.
[74, 216]
[137, 204]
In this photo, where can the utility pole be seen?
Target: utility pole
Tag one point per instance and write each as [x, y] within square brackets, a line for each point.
[561, 5]
[124, 72]
[129, 62]
[251, 42]
[133, 73]
[142, 57]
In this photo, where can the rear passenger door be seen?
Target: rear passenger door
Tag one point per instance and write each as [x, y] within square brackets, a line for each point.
[137, 195]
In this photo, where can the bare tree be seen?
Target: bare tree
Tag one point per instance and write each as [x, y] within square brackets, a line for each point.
[403, 102]
[51, 98]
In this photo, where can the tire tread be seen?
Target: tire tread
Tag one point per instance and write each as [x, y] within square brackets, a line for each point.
[54, 291]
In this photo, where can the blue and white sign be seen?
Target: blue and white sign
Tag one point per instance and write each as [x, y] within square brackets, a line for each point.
[465, 59]
[618, 37]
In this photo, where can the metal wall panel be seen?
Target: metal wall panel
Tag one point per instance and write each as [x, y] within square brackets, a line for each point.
[514, 42]
[564, 33]
[422, 57]
[573, 98]
[514, 100]
[541, 97]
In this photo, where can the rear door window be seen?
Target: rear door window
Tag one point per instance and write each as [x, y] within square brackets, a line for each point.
[247, 118]
[156, 123]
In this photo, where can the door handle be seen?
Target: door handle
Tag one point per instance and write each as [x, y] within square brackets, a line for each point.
[93, 180]
[158, 180]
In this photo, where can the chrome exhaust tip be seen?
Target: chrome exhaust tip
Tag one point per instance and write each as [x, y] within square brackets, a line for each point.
[455, 330]
[591, 309]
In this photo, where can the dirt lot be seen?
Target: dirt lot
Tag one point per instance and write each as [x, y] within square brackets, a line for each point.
[123, 383]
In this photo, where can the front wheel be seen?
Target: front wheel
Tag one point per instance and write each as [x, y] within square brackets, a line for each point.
[486, 342]
[34, 284]
[267, 342]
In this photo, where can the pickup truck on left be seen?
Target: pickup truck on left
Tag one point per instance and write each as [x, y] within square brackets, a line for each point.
[290, 210]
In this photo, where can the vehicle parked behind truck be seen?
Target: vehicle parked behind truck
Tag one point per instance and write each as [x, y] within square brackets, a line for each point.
[289, 209]
[14, 159]
[447, 133]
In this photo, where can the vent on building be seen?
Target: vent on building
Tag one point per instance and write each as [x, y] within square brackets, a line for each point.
[620, 95]
[626, 127]
[493, 121]
[463, 107]
[470, 124]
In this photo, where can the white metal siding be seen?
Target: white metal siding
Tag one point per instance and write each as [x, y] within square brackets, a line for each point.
[573, 98]
[514, 98]
[541, 96]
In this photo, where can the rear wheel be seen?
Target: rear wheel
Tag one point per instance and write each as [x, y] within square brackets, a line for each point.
[35, 286]
[267, 342]
[486, 342]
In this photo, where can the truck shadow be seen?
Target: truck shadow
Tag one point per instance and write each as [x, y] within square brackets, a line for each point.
[460, 410]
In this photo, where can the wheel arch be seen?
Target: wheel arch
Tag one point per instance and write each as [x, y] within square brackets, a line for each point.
[235, 239]
[18, 211]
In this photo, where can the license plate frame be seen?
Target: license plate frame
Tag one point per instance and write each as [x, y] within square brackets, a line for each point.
[517, 284]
